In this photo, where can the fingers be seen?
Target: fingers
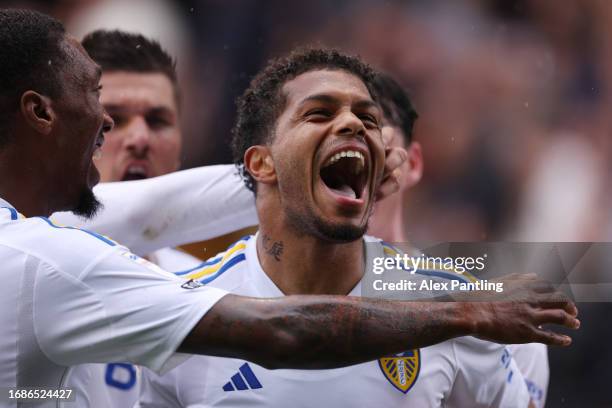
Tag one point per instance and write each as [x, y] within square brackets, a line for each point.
[556, 300]
[389, 185]
[558, 316]
[551, 338]
[567, 305]
[394, 158]
[539, 286]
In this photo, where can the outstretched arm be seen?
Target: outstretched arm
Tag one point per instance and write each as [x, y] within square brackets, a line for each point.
[178, 208]
[316, 332]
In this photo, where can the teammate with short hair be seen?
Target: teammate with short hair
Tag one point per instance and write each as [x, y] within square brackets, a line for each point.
[70, 296]
[388, 223]
[308, 142]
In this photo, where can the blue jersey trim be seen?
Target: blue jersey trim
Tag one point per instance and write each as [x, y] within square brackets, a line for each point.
[14, 215]
[215, 260]
[235, 260]
[93, 234]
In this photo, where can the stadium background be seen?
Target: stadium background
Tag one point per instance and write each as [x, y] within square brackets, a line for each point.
[514, 100]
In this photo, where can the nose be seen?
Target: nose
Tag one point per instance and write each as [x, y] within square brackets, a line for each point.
[348, 124]
[138, 136]
[108, 123]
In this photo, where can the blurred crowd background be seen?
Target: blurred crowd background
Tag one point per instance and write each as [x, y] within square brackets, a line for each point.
[514, 99]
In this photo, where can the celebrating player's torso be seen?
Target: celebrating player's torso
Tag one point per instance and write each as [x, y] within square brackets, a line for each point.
[96, 287]
[462, 372]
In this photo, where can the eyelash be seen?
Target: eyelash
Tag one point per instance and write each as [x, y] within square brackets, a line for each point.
[367, 119]
[318, 112]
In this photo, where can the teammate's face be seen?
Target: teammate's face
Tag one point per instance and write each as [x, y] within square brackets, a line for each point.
[146, 140]
[328, 154]
[81, 121]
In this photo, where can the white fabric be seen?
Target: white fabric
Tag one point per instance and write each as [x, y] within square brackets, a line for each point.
[146, 215]
[70, 297]
[459, 373]
[118, 384]
[174, 209]
[532, 360]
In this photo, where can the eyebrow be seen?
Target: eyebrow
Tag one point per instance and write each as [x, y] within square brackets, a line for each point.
[325, 98]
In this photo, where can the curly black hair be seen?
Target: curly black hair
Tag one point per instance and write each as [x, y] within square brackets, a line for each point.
[263, 101]
[31, 58]
[396, 104]
[121, 51]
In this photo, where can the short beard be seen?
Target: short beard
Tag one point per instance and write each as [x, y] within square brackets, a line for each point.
[88, 205]
[314, 226]
[339, 233]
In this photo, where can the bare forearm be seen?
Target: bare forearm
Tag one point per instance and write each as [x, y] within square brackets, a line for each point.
[315, 332]
[334, 331]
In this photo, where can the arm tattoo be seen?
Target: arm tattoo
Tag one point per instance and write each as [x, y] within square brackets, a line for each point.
[320, 332]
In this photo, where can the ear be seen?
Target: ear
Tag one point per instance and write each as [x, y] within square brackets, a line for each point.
[413, 170]
[259, 162]
[37, 111]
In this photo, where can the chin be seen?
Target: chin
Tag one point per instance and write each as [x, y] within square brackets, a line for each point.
[87, 205]
[341, 233]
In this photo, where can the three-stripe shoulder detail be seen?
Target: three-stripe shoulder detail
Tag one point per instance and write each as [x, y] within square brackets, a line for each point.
[210, 270]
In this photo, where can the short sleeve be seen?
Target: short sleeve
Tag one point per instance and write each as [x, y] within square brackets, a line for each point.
[487, 376]
[122, 308]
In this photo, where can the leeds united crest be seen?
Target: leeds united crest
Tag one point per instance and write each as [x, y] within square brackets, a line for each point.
[402, 369]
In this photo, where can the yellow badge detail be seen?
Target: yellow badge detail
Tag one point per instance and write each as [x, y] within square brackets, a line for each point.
[402, 370]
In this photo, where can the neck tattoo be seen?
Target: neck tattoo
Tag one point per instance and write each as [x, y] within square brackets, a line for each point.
[274, 249]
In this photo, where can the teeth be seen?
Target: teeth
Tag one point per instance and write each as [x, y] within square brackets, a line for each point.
[97, 154]
[136, 170]
[348, 153]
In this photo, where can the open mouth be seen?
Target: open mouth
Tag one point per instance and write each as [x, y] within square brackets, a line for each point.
[135, 172]
[345, 174]
[97, 153]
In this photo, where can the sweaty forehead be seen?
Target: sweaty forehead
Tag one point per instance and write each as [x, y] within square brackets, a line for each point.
[339, 84]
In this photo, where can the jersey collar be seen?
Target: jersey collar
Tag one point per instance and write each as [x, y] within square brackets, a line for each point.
[5, 204]
[14, 215]
[372, 247]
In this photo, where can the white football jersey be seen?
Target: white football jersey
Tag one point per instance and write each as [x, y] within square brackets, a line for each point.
[532, 360]
[118, 384]
[71, 296]
[464, 372]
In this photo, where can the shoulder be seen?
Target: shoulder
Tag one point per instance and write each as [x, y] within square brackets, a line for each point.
[172, 259]
[224, 269]
[63, 247]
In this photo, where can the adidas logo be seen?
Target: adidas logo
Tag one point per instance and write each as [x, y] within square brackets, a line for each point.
[244, 379]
